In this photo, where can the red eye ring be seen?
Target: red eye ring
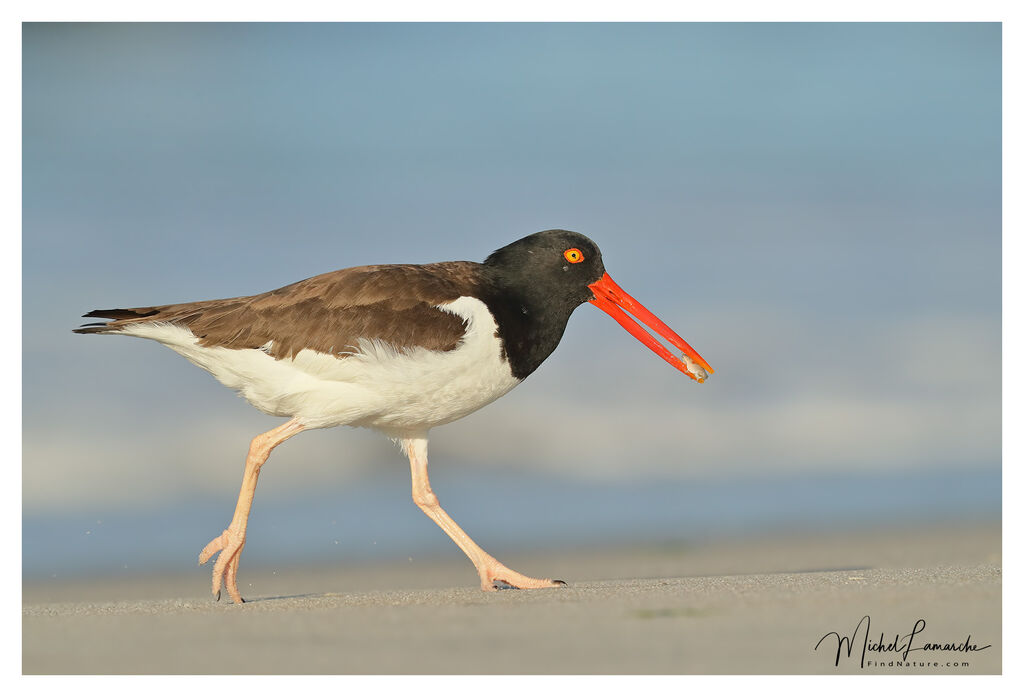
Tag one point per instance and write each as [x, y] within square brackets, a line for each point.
[573, 255]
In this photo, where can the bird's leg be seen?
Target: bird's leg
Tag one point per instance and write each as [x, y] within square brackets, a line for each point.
[493, 574]
[230, 542]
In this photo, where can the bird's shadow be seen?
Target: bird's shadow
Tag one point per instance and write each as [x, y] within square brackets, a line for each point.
[253, 601]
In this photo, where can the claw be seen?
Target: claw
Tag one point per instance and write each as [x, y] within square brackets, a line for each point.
[225, 571]
[496, 576]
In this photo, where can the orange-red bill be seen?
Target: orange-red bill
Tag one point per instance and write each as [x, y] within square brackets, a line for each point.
[612, 299]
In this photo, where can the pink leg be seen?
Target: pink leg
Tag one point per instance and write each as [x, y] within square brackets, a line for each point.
[230, 542]
[493, 574]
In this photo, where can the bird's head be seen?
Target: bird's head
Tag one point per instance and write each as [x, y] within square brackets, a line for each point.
[565, 270]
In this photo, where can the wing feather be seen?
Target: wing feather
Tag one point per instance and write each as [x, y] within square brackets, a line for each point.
[330, 313]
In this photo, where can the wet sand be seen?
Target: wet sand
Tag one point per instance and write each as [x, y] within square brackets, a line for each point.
[732, 607]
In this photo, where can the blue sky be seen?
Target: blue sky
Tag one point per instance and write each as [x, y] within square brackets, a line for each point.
[815, 208]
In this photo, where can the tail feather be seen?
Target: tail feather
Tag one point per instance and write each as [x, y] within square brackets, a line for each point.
[120, 317]
[131, 313]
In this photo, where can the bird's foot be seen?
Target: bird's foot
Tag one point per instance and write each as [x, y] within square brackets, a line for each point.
[225, 571]
[497, 576]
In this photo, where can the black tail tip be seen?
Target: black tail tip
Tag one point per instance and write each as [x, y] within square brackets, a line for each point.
[115, 316]
[121, 313]
[95, 328]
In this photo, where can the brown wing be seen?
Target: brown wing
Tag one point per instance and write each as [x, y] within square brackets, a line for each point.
[329, 313]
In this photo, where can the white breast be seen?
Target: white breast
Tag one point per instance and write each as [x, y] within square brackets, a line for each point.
[402, 393]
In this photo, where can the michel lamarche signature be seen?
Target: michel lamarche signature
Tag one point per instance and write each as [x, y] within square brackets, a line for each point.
[902, 645]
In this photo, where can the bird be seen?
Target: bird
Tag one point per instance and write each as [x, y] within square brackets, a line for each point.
[399, 348]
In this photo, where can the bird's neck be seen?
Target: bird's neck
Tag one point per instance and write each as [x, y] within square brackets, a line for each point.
[530, 322]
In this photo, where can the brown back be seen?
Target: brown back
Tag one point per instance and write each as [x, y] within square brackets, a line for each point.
[327, 313]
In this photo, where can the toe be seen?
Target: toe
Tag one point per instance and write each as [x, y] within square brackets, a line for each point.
[215, 545]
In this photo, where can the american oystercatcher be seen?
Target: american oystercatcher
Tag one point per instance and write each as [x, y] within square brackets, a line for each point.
[398, 348]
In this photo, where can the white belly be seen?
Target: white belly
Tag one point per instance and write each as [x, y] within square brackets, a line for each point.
[399, 392]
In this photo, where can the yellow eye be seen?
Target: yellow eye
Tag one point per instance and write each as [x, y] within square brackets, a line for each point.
[573, 256]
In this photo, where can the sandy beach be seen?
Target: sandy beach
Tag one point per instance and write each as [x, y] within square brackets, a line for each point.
[722, 607]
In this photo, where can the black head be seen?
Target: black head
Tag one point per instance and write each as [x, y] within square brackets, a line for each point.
[535, 283]
[532, 287]
[557, 265]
